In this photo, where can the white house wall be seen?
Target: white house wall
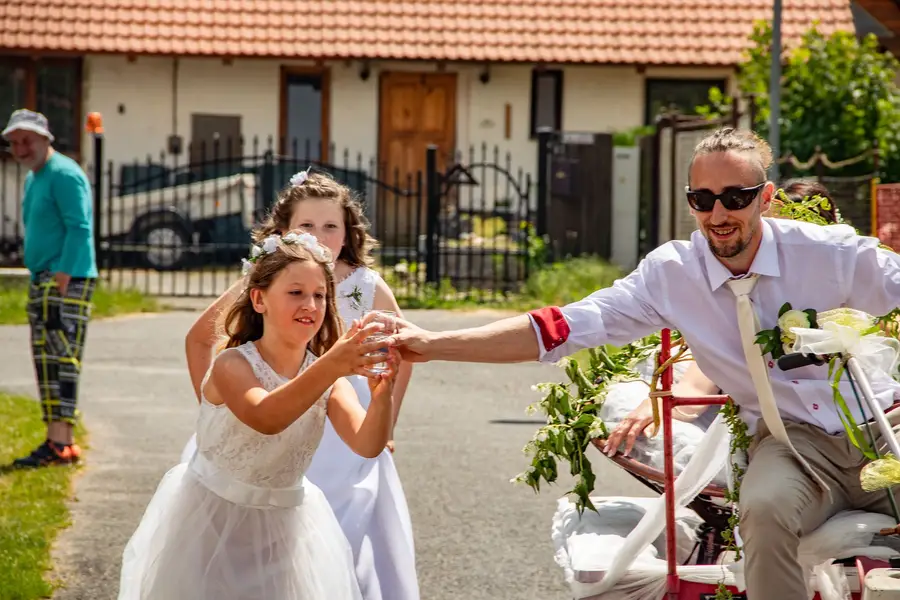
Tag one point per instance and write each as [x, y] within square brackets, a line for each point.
[144, 89]
[140, 113]
[595, 99]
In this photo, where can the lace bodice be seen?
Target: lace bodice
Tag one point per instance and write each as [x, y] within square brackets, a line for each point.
[271, 461]
[356, 294]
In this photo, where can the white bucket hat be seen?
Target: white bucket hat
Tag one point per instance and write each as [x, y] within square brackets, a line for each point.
[29, 121]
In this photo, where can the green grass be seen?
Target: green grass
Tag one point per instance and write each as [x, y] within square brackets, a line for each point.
[32, 503]
[556, 284]
[107, 303]
[560, 283]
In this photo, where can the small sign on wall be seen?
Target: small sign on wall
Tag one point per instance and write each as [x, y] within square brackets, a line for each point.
[574, 137]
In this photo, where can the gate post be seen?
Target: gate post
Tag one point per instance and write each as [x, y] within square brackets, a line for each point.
[267, 183]
[873, 190]
[543, 179]
[754, 111]
[736, 113]
[653, 228]
[94, 126]
[432, 214]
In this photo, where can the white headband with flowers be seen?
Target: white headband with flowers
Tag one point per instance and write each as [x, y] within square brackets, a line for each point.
[271, 243]
[299, 178]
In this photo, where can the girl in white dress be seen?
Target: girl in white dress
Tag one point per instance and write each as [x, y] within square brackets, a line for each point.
[240, 521]
[365, 494]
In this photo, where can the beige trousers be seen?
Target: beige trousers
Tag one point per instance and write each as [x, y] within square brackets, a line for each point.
[780, 503]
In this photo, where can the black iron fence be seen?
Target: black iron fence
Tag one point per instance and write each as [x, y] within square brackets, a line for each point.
[459, 225]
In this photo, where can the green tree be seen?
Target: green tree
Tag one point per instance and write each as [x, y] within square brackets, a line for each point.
[838, 94]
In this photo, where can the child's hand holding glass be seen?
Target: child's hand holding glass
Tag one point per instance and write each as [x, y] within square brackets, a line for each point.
[381, 384]
[356, 352]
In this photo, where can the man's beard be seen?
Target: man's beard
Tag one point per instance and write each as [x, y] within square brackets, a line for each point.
[733, 249]
[730, 250]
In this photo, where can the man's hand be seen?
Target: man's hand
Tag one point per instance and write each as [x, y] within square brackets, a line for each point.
[412, 342]
[62, 282]
[509, 340]
[390, 446]
[638, 422]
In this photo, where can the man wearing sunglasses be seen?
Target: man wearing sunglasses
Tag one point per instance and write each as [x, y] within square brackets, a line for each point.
[806, 470]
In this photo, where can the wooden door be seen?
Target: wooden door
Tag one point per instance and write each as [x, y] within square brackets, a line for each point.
[416, 110]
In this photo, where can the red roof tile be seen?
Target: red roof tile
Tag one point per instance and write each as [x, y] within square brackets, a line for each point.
[650, 32]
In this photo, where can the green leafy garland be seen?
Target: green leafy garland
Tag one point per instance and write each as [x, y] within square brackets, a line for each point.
[572, 412]
[810, 209]
[740, 442]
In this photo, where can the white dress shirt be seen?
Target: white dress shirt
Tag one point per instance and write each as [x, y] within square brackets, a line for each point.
[681, 285]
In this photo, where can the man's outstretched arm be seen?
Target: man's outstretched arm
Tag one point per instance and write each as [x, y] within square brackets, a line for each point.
[509, 340]
[615, 315]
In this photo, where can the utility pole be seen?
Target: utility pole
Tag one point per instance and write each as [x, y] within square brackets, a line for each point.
[775, 92]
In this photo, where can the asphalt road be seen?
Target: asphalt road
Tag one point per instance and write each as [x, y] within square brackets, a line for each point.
[459, 442]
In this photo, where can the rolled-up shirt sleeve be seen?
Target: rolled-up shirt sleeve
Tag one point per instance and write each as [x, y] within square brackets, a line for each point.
[616, 315]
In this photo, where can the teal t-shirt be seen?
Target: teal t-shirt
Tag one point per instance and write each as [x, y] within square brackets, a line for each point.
[58, 214]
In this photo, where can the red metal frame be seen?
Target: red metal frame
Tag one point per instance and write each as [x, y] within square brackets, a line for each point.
[668, 403]
[675, 586]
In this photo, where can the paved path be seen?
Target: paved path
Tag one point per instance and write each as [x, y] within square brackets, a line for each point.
[458, 443]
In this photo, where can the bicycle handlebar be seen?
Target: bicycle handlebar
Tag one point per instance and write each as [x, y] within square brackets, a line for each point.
[795, 360]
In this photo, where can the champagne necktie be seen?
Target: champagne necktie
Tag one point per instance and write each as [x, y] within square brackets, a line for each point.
[749, 326]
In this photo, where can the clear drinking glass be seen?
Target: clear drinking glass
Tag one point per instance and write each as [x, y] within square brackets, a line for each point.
[386, 318]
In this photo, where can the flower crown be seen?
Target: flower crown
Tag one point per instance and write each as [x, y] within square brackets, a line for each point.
[300, 178]
[271, 243]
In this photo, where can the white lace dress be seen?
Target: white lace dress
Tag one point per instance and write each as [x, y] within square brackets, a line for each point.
[366, 494]
[239, 521]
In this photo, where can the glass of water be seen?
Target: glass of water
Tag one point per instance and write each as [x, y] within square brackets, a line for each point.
[386, 318]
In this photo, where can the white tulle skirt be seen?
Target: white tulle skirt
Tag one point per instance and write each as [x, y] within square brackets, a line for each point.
[193, 544]
[367, 499]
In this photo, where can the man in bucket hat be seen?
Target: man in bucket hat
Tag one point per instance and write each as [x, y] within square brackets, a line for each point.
[57, 212]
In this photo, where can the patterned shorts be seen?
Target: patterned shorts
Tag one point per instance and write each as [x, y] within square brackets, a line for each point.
[58, 327]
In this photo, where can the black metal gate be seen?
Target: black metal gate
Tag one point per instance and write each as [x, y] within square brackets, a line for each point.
[479, 225]
[172, 229]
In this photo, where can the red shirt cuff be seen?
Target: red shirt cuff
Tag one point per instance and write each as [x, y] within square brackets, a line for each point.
[552, 325]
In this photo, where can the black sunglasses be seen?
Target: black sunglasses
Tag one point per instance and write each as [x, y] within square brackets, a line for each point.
[733, 198]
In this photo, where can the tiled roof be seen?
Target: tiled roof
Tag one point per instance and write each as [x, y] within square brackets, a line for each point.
[649, 32]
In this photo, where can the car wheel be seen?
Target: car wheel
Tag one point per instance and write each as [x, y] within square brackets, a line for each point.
[165, 245]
